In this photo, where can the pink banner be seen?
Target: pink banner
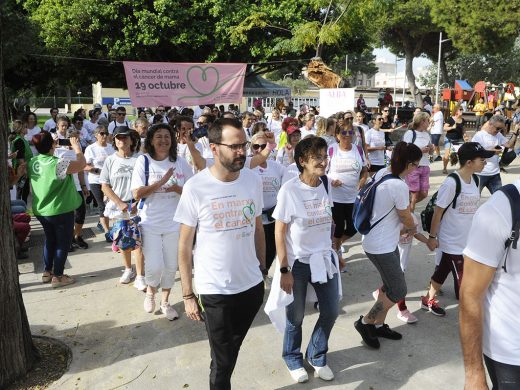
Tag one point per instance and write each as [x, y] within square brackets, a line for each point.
[151, 84]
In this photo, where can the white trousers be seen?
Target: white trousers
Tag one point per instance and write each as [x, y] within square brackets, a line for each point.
[160, 257]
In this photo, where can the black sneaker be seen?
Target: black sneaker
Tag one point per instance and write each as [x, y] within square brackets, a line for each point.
[387, 333]
[80, 242]
[108, 237]
[367, 332]
[72, 248]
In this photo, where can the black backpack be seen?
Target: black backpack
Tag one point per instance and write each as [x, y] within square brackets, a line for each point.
[427, 213]
[511, 192]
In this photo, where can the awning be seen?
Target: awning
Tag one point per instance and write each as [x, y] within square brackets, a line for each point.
[256, 86]
[463, 84]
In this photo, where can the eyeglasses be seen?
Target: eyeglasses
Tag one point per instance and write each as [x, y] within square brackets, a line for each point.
[320, 159]
[258, 146]
[236, 147]
[102, 133]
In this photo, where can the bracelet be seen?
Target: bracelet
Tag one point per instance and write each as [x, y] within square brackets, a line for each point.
[189, 296]
[434, 237]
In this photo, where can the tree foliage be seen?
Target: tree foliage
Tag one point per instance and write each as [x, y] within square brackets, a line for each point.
[479, 27]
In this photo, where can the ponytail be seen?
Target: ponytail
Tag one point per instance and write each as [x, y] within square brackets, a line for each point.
[403, 154]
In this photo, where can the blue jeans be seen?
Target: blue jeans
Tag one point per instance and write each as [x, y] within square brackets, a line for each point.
[58, 237]
[18, 206]
[328, 300]
[492, 183]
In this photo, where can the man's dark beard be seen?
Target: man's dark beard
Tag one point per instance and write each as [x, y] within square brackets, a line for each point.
[235, 165]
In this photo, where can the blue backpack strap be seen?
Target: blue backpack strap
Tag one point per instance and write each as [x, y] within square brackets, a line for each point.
[511, 192]
[146, 176]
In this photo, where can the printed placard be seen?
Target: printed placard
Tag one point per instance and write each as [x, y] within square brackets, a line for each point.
[151, 84]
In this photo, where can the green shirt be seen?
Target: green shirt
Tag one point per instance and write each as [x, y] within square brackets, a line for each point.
[27, 152]
[53, 190]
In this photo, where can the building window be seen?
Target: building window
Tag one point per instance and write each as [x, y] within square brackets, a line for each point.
[369, 84]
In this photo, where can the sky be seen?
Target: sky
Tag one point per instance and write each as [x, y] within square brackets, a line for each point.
[389, 57]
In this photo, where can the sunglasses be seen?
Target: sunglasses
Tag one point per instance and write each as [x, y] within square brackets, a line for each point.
[102, 133]
[380, 119]
[348, 117]
[258, 146]
[121, 114]
[385, 110]
[159, 110]
[345, 132]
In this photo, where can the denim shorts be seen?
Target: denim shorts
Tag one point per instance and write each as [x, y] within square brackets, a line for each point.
[436, 139]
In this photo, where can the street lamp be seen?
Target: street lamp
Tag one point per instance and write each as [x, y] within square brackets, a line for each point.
[439, 67]
[395, 80]
[79, 97]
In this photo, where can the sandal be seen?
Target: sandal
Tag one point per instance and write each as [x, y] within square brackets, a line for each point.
[445, 171]
[61, 281]
[46, 277]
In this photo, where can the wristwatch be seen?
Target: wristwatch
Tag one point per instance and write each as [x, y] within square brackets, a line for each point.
[284, 270]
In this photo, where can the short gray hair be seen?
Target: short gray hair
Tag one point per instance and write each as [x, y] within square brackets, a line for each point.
[496, 118]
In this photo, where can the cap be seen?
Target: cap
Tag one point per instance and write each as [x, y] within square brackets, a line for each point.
[97, 105]
[121, 130]
[472, 150]
[292, 129]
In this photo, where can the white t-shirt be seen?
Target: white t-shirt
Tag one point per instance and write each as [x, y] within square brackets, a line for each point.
[438, 123]
[376, 138]
[96, 155]
[225, 216]
[90, 127]
[112, 125]
[290, 172]
[305, 132]
[117, 172]
[184, 152]
[159, 208]
[30, 133]
[70, 155]
[453, 230]
[271, 181]
[49, 124]
[276, 127]
[489, 141]
[392, 195]
[282, 157]
[344, 166]
[489, 231]
[308, 213]
[422, 140]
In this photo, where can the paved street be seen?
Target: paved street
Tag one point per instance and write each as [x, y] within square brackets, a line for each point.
[115, 344]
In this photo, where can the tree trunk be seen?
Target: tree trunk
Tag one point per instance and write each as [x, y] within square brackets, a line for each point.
[410, 76]
[17, 351]
[444, 72]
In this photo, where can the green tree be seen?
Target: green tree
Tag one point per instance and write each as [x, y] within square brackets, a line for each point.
[479, 27]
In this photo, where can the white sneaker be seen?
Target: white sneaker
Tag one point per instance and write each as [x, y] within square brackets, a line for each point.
[149, 303]
[139, 283]
[127, 277]
[324, 372]
[169, 312]
[406, 316]
[299, 375]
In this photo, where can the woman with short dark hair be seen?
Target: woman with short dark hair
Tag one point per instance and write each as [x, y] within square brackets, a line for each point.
[391, 207]
[54, 200]
[303, 244]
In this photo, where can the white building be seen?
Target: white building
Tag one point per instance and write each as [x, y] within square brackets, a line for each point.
[387, 77]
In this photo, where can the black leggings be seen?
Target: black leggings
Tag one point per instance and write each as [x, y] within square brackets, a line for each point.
[503, 376]
[450, 263]
[342, 216]
[81, 211]
[96, 191]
